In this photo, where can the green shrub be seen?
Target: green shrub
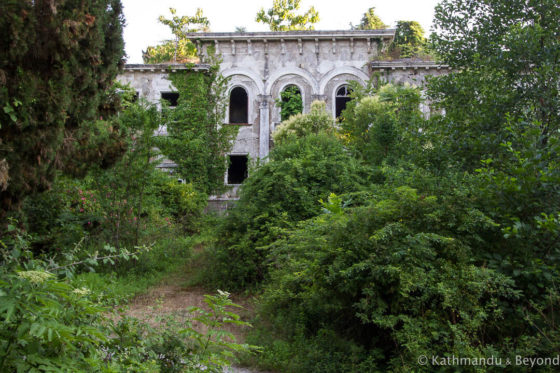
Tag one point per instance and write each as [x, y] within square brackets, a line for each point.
[324, 352]
[290, 102]
[396, 278]
[59, 218]
[183, 202]
[275, 196]
[49, 324]
[300, 125]
[383, 124]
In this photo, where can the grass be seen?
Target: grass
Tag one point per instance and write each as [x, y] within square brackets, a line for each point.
[111, 287]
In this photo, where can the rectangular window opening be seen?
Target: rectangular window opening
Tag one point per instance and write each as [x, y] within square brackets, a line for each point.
[237, 170]
[171, 97]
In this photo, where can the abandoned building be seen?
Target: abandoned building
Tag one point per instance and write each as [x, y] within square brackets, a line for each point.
[317, 64]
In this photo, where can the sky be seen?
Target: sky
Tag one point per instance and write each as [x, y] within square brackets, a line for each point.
[143, 29]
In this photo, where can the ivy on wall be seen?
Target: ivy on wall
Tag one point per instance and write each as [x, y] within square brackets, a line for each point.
[197, 141]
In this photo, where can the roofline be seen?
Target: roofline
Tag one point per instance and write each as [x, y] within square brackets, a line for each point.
[165, 67]
[292, 35]
[407, 64]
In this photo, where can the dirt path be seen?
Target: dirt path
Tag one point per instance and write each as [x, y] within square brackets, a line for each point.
[173, 299]
[175, 296]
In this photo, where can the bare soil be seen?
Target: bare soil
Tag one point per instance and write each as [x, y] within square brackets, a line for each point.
[175, 295]
[173, 299]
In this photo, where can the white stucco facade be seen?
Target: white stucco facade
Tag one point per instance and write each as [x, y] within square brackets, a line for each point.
[317, 62]
[264, 64]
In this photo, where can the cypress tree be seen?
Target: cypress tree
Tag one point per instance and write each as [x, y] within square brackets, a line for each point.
[58, 61]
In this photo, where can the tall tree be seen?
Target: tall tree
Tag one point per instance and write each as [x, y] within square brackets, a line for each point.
[58, 62]
[283, 17]
[370, 21]
[502, 120]
[180, 49]
[506, 55]
[409, 38]
[197, 141]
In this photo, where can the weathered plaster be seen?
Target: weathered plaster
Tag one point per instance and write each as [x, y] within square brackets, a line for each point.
[264, 64]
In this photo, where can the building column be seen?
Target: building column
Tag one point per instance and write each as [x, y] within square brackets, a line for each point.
[264, 126]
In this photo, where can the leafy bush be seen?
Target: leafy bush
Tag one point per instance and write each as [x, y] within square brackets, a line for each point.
[300, 125]
[324, 352]
[395, 277]
[276, 195]
[290, 102]
[382, 124]
[183, 202]
[46, 324]
[50, 325]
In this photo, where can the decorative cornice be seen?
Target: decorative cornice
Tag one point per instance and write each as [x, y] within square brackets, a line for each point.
[293, 35]
[407, 64]
[164, 67]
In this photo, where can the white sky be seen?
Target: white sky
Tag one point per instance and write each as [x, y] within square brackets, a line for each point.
[143, 29]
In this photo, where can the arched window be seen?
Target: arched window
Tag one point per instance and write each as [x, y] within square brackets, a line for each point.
[290, 102]
[341, 99]
[238, 106]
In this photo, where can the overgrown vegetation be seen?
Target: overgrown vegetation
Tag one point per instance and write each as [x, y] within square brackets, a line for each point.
[196, 141]
[299, 125]
[88, 219]
[57, 65]
[446, 244]
[49, 324]
[368, 244]
[290, 102]
[92, 243]
[278, 194]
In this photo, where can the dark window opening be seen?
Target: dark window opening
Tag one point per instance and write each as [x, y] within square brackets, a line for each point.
[291, 102]
[171, 97]
[238, 106]
[237, 171]
[341, 99]
[136, 96]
